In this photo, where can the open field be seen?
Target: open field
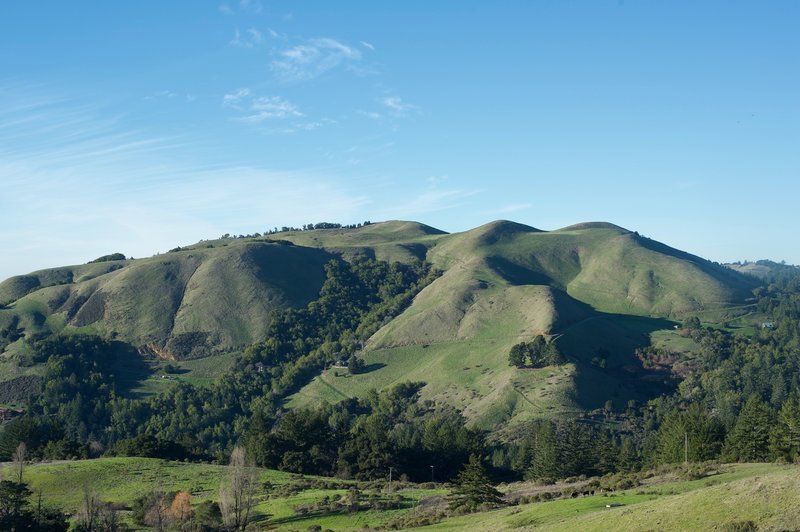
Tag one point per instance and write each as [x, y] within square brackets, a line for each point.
[123, 480]
[766, 494]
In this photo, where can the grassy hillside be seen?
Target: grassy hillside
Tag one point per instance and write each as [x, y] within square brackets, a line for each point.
[766, 494]
[593, 288]
[389, 241]
[188, 303]
[278, 499]
[605, 266]
[198, 300]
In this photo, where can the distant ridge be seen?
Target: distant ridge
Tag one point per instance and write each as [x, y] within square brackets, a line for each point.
[405, 227]
[592, 287]
[507, 226]
[594, 225]
[227, 289]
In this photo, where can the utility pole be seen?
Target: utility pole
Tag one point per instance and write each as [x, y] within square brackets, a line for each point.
[390, 476]
[432, 468]
[685, 447]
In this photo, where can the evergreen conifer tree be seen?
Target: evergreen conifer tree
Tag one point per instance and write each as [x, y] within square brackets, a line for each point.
[749, 440]
[702, 432]
[628, 457]
[785, 437]
[473, 488]
[545, 463]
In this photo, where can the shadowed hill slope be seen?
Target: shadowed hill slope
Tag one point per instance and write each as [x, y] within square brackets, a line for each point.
[188, 303]
[593, 288]
[211, 297]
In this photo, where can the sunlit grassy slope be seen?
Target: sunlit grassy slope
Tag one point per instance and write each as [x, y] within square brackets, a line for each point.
[766, 494]
[225, 290]
[593, 288]
[122, 480]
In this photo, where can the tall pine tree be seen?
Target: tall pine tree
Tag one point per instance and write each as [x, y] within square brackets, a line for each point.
[545, 464]
[749, 440]
[785, 437]
[473, 488]
[703, 432]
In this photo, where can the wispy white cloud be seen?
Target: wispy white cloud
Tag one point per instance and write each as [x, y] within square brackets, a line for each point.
[366, 150]
[370, 114]
[256, 109]
[161, 94]
[249, 39]
[295, 126]
[255, 35]
[234, 99]
[245, 6]
[251, 6]
[97, 185]
[312, 58]
[435, 180]
[429, 201]
[397, 106]
[273, 114]
[509, 209]
[316, 124]
[270, 108]
[365, 44]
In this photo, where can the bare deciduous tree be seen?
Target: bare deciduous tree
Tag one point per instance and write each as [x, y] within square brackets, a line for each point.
[158, 514]
[18, 459]
[109, 518]
[237, 490]
[96, 515]
[89, 515]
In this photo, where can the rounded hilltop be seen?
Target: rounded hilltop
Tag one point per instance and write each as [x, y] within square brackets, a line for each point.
[594, 225]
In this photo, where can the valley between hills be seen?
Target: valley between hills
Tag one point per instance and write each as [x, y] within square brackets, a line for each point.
[594, 287]
[332, 355]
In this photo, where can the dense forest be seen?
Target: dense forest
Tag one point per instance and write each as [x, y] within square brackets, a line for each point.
[80, 411]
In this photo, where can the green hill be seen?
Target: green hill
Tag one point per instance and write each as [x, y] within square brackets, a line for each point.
[594, 288]
[198, 301]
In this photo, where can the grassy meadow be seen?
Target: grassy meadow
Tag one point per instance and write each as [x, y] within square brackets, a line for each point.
[766, 494]
[283, 500]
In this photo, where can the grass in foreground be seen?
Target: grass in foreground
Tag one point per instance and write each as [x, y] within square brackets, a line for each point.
[283, 501]
[767, 494]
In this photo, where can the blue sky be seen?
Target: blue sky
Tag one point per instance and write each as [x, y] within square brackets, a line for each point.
[139, 126]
